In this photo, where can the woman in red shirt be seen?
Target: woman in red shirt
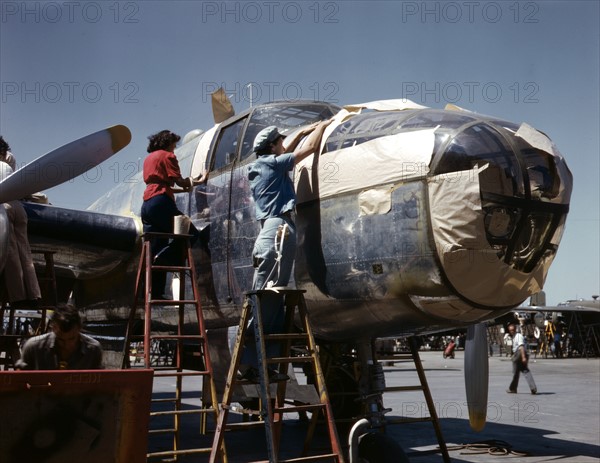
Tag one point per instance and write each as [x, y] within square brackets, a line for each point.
[161, 173]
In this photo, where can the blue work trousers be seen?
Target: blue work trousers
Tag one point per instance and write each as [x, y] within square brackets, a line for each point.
[271, 267]
[158, 215]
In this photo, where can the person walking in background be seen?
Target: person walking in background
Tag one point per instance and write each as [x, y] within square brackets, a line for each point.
[520, 359]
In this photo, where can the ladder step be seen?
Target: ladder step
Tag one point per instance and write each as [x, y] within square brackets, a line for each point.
[158, 401]
[184, 337]
[276, 405]
[178, 452]
[306, 359]
[240, 410]
[181, 373]
[403, 388]
[170, 268]
[290, 409]
[198, 411]
[243, 426]
[299, 408]
[171, 367]
[304, 459]
[171, 302]
[161, 431]
[325, 456]
[284, 337]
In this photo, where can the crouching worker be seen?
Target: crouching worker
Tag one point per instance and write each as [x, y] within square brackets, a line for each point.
[64, 348]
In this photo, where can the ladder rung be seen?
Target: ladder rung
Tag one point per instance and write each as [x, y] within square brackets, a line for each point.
[304, 459]
[178, 452]
[169, 368]
[284, 337]
[157, 401]
[244, 425]
[183, 412]
[306, 359]
[268, 414]
[298, 408]
[184, 337]
[181, 373]
[325, 456]
[171, 302]
[171, 268]
[403, 388]
[240, 410]
[161, 431]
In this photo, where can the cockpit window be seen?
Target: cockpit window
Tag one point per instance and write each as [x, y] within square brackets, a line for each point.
[364, 127]
[226, 149]
[431, 119]
[284, 116]
[541, 170]
[368, 126]
[480, 145]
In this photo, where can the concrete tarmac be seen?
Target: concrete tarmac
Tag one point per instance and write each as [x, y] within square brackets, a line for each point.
[560, 423]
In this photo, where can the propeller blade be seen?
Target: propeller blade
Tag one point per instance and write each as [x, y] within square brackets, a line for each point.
[64, 163]
[476, 375]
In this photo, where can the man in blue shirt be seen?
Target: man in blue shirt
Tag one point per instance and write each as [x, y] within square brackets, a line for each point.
[275, 247]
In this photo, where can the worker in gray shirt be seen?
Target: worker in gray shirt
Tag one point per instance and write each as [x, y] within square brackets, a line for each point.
[64, 347]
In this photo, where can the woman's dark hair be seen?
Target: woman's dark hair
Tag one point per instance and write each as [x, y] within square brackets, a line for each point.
[66, 317]
[3, 146]
[162, 140]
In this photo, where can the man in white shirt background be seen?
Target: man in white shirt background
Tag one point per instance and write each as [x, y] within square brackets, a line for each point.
[520, 360]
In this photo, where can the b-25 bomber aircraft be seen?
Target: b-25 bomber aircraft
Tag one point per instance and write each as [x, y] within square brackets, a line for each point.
[410, 220]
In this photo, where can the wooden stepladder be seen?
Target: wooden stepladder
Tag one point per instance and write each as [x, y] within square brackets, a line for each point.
[272, 406]
[175, 343]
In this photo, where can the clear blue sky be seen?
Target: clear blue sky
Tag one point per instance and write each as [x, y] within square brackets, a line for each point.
[70, 68]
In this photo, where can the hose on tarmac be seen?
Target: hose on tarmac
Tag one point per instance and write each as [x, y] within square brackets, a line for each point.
[491, 447]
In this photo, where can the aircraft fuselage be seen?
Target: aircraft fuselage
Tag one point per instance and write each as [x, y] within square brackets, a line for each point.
[409, 220]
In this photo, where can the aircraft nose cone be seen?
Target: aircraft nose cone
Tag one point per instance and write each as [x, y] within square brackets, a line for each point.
[499, 199]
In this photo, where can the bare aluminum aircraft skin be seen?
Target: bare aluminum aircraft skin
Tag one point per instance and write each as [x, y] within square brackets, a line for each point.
[409, 219]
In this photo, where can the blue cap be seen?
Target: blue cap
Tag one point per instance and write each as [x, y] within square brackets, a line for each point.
[265, 137]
